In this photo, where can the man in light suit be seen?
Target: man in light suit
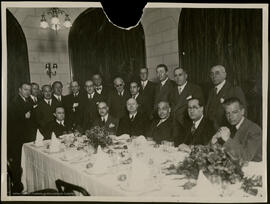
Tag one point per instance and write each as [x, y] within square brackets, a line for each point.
[117, 98]
[147, 90]
[180, 95]
[134, 123]
[245, 139]
[164, 129]
[199, 129]
[222, 90]
[105, 119]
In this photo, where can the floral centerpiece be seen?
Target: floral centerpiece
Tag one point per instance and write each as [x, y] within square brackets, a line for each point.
[98, 136]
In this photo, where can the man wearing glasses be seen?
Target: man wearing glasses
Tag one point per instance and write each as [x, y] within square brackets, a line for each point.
[117, 98]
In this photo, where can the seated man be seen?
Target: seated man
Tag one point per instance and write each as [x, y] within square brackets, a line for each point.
[106, 120]
[134, 123]
[164, 128]
[199, 130]
[58, 125]
[244, 141]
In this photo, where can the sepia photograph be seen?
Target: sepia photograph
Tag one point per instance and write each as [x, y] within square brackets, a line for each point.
[172, 109]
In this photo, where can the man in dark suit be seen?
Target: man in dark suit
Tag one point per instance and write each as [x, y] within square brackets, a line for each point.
[199, 130]
[181, 93]
[99, 87]
[46, 108]
[89, 106]
[164, 129]
[147, 89]
[143, 101]
[18, 132]
[117, 99]
[217, 95]
[73, 105]
[59, 125]
[165, 85]
[106, 120]
[245, 139]
[134, 123]
[57, 88]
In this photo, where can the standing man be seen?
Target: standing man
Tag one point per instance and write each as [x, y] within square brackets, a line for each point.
[222, 91]
[181, 93]
[72, 105]
[19, 132]
[57, 87]
[35, 95]
[105, 119]
[99, 87]
[143, 102]
[89, 106]
[147, 89]
[46, 108]
[134, 123]
[245, 139]
[117, 99]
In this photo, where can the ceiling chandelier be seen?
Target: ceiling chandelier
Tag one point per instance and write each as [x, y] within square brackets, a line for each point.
[55, 22]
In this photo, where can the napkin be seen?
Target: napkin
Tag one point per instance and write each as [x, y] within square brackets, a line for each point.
[102, 162]
[39, 139]
[55, 144]
[123, 137]
[253, 169]
[140, 172]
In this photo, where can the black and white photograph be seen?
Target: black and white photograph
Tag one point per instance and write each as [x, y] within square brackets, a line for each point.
[171, 109]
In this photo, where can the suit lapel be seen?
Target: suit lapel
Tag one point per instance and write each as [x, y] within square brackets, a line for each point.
[243, 126]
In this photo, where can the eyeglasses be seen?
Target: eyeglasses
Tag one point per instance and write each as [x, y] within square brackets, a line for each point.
[118, 85]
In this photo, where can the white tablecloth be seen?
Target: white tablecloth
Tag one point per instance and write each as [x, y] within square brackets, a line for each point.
[41, 169]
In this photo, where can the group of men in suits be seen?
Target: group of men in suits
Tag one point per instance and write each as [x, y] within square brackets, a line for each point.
[172, 110]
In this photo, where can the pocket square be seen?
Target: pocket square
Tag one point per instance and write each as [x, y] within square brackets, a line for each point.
[222, 100]
[189, 97]
[111, 125]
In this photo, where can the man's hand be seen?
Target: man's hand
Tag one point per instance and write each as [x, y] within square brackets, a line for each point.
[28, 115]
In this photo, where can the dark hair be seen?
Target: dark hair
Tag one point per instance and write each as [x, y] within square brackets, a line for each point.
[34, 83]
[200, 101]
[24, 83]
[162, 65]
[179, 68]
[144, 68]
[57, 82]
[45, 86]
[232, 100]
[134, 81]
[59, 107]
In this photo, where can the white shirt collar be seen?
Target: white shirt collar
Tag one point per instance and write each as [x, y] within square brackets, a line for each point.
[122, 93]
[92, 95]
[144, 83]
[197, 123]
[136, 95]
[163, 82]
[60, 122]
[56, 96]
[240, 123]
[105, 117]
[33, 97]
[22, 97]
[219, 86]
[48, 100]
[182, 86]
[134, 114]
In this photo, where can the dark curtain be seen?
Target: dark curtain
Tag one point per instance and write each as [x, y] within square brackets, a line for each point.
[95, 45]
[17, 57]
[231, 37]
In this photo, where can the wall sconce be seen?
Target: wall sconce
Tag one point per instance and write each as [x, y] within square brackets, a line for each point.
[51, 69]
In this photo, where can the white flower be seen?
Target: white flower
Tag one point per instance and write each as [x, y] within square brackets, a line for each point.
[189, 97]
[222, 100]
[111, 125]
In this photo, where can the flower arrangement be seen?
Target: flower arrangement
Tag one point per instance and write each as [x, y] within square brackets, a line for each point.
[98, 136]
[214, 162]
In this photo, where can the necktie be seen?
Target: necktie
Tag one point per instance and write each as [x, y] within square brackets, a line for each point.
[159, 123]
[233, 131]
[132, 118]
[49, 102]
[216, 90]
[59, 99]
[103, 121]
[62, 123]
[120, 94]
[193, 129]
[143, 85]
[35, 99]
[179, 89]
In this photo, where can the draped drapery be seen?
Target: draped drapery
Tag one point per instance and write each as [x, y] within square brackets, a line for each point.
[230, 37]
[17, 57]
[97, 46]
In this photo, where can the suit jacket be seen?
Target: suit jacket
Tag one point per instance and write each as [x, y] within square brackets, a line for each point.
[90, 111]
[179, 102]
[162, 92]
[148, 96]
[144, 105]
[134, 127]
[214, 109]
[44, 113]
[247, 142]
[104, 93]
[33, 119]
[117, 104]
[111, 124]
[202, 135]
[167, 131]
[59, 103]
[74, 115]
[55, 127]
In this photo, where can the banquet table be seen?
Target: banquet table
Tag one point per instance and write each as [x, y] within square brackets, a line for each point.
[41, 169]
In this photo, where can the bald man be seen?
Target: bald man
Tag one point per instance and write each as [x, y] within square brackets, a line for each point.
[117, 98]
[134, 122]
[222, 90]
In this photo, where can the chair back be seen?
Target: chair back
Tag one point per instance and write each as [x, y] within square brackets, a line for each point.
[69, 189]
